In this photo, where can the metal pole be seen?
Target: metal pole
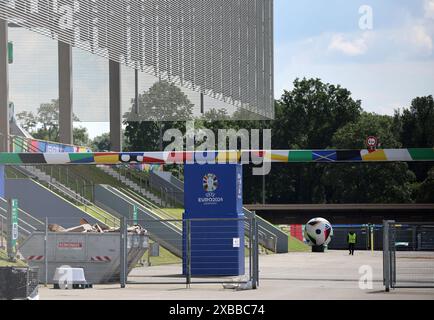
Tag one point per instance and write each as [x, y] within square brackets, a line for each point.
[372, 238]
[4, 87]
[2, 233]
[250, 249]
[386, 256]
[188, 262]
[76, 188]
[149, 254]
[136, 104]
[123, 259]
[255, 249]
[115, 106]
[46, 251]
[65, 93]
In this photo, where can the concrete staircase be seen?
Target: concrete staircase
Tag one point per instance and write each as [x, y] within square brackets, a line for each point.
[132, 185]
[69, 194]
[42, 176]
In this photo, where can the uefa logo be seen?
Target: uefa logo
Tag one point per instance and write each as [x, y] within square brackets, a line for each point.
[210, 182]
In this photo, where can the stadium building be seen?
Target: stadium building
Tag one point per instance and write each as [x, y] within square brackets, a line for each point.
[103, 54]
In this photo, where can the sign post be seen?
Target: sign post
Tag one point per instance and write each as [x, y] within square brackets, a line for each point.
[135, 215]
[12, 229]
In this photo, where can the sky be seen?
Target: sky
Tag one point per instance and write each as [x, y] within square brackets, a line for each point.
[381, 50]
[385, 64]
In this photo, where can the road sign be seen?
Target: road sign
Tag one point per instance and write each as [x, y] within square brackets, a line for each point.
[372, 143]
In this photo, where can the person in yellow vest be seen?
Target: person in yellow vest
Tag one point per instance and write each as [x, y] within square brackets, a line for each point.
[352, 240]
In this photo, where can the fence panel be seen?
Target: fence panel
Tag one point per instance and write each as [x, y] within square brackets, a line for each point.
[204, 251]
[409, 255]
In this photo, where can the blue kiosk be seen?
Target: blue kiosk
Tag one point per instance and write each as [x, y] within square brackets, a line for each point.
[217, 246]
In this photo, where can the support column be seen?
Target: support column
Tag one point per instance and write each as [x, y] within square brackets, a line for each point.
[65, 93]
[115, 106]
[4, 87]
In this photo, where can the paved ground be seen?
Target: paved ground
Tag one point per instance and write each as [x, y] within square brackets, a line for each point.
[333, 275]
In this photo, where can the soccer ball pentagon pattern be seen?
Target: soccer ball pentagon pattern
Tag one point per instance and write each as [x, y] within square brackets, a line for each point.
[318, 232]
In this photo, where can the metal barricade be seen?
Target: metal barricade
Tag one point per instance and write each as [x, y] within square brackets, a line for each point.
[184, 262]
[408, 255]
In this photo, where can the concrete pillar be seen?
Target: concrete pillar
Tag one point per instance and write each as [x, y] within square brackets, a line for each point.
[4, 87]
[115, 106]
[65, 93]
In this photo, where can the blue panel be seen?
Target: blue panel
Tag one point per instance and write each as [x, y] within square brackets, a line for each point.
[213, 191]
[2, 181]
[212, 248]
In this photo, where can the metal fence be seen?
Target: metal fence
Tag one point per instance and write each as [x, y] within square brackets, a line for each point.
[408, 255]
[142, 251]
[197, 263]
[68, 243]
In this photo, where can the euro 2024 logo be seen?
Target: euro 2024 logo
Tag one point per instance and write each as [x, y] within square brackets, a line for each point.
[210, 183]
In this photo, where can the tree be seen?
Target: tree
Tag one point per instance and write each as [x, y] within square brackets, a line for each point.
[415, 128]
[163, 106]
[45, 124]
[143, 136]
[354, 134]
[101, 143]
[425, 191]
[417, 123]
[27, 120]
[81, 136]
[307, 118]
[367, 183]
[309, 115]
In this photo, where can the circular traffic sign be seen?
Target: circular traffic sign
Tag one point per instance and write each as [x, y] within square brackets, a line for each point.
[372, 142]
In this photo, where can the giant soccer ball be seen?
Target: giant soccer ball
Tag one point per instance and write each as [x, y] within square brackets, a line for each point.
[318, 232]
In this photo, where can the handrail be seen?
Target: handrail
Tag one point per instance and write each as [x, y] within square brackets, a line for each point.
[171, 224]
[82, 200]
[24, 146]
[153, 208]
[48, 142]
[147, 187]
[100, 215]
[21, 211]
[4, 217]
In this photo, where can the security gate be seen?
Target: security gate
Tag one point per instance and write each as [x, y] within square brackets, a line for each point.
[408, 255]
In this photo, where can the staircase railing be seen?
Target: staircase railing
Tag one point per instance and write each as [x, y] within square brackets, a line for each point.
[87, 206]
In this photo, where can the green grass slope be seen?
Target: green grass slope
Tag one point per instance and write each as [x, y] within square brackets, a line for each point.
[5, 263]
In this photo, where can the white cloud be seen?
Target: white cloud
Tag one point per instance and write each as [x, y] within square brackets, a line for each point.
[354, 47]
[420, 38]
[429, 9]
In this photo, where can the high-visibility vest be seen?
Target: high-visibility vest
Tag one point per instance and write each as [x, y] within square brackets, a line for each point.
[352, 238]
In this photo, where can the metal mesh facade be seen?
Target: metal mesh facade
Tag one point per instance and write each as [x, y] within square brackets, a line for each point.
[222, 48]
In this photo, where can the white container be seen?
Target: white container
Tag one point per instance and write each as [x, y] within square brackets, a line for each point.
[98, 254]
